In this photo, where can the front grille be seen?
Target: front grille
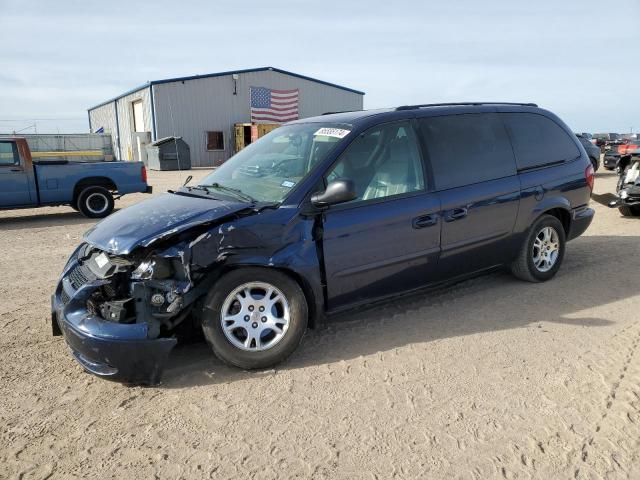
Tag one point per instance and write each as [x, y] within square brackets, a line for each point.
[80, 276]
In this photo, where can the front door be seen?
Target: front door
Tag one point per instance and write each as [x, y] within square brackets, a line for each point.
[475, 174]
[388, 239]
[14, 179]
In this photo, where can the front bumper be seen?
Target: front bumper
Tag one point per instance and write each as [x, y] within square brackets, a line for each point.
[629, 196]
[116, 351]
[581, 218]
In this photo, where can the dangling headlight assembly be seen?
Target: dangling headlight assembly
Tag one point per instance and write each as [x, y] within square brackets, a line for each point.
[154, 268]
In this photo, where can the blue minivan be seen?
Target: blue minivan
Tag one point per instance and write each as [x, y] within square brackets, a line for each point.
[319, 216]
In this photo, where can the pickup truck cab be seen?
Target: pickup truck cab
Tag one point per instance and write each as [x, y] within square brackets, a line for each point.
[87, 187]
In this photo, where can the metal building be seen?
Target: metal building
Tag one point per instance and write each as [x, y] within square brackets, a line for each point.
[204, 110]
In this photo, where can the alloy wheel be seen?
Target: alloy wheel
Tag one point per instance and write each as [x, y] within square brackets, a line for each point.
[546, 248]
[255, 316]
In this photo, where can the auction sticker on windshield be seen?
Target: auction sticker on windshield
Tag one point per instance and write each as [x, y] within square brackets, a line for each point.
[333, 132]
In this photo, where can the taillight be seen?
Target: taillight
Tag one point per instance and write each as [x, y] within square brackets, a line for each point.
[622, 149]
[590, 176]
[143, 174]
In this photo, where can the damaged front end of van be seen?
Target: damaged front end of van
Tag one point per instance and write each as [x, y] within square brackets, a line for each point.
[142, 272]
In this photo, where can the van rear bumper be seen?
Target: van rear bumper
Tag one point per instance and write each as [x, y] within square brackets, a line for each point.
[581, 218]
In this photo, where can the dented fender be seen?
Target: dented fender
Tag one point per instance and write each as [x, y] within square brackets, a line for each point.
[269, 239]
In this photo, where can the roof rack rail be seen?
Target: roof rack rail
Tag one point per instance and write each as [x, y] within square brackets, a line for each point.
[339, 111]
[415, 107]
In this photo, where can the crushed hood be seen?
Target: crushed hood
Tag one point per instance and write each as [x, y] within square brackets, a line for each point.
[146, 222]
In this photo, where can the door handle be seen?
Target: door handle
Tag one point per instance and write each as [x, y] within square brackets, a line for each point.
[456, 214]
[425, 221]
[15, 169]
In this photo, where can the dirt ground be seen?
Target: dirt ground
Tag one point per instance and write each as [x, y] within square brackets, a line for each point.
[492, 378]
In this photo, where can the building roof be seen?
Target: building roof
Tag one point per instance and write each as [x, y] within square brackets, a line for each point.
[222, 74]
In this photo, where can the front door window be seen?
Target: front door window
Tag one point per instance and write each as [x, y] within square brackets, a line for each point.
[382, 162]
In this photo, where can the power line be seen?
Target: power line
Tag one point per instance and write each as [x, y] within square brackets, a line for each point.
[40, 119]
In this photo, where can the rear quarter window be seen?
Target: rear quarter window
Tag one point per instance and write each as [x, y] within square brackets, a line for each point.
[9, 154]
[467, 149]
[538, 140]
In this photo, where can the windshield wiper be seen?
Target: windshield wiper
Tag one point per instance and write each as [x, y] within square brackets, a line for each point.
[187, 191]
[234, 191]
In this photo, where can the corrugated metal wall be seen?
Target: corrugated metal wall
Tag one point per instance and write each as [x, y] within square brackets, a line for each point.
[105, 117]
[208, 104]
[125, 117]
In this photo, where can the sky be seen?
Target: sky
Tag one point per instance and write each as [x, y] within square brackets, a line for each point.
[579, 59]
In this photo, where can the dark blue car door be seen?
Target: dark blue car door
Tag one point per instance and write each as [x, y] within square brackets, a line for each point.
[475, 175]
[388, 239]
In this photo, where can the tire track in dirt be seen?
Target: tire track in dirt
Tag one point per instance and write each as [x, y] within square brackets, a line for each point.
[609, 447]
[620, 411]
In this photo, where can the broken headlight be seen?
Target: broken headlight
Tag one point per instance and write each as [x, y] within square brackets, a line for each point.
[153, 269]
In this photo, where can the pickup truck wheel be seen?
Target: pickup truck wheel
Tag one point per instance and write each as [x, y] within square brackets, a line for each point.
[95, 202]
[542, 251]
[254, 317]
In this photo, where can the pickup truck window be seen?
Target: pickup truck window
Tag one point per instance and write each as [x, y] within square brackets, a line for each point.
[8, 154]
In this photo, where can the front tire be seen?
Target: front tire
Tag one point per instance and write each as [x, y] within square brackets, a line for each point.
[95, 202]
[542, 251]
[254, 317]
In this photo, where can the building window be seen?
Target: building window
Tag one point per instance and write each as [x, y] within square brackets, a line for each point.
[215, 141]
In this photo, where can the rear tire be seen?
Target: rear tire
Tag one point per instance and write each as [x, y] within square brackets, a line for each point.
[540, 256]
[630, 211]
[95, 202]
[237, 325]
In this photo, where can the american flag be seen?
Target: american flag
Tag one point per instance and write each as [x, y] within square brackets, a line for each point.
[273, 105]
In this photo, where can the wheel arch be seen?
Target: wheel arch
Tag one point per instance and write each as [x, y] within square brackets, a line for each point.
[98, 181]
[561, 214]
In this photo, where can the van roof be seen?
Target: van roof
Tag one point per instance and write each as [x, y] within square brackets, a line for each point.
[356, 115]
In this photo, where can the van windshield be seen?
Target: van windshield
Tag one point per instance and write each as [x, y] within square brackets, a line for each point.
[269, 168]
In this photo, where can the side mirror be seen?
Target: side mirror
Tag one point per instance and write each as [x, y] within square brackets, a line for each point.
[338, 191]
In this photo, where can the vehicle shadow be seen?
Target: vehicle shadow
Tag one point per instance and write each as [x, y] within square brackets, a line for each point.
[603, 198]
[493, 302]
